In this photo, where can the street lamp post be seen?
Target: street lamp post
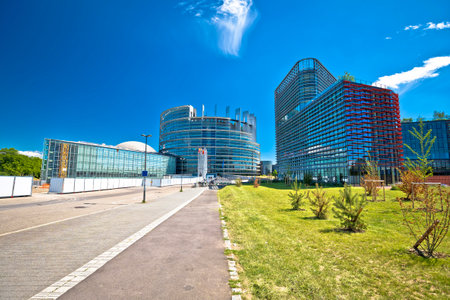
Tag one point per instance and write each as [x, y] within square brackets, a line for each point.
[144, 173]
[182, 169]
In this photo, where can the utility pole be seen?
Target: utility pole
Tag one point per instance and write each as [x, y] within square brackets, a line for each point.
[145, 173]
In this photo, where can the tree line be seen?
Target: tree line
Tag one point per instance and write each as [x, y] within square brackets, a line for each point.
[14, 164]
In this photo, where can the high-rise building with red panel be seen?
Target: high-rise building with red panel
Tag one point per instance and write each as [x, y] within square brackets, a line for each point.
[330, 127]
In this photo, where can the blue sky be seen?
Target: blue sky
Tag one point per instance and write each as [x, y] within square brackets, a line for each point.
[103, 71]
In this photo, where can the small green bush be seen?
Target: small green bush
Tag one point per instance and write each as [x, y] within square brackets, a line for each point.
[297, 198]
[319, 202]
[238, 182]
[395, 188]
[348, 208]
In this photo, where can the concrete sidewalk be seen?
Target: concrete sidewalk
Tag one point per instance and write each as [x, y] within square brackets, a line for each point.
[183, 258]
[33, 260]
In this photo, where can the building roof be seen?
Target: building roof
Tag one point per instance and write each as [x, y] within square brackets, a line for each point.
[135, 146]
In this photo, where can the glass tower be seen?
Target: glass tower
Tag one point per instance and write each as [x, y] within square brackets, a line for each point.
[230, 142]
[329, 128]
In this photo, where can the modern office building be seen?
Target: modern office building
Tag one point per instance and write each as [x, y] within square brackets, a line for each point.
[266, 167]
[440, 152]
[328, 127]
[64, 159]
[230, 142]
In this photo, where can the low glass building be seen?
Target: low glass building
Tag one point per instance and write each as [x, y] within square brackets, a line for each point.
[440, 152]
[64, 159]
[230, 142]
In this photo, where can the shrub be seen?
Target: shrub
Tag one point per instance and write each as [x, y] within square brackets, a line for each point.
[371, 170]
[319, 202]
[429, 222]
[407, 177]
[256, 183]
[348, 208]
[238, 182]
[297, 198]
[395, 188]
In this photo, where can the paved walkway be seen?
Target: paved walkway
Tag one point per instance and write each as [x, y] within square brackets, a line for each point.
[34, 259]
[182, 258]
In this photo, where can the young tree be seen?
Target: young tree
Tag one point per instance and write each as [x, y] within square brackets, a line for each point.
[429, 222]
[348, 208]
[319, 202]
[297, 198]
[407, 177]
[348, 77]
[440, 115]
[371, 173]
[256, 183]
[421, 166]
[275, 173]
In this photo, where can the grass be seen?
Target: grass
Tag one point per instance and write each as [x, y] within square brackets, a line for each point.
[285, 254]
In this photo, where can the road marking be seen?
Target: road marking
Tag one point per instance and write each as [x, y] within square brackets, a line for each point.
[58, 288]
[63, 220]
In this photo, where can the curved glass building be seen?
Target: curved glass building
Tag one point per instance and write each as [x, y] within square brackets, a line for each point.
[230, 142]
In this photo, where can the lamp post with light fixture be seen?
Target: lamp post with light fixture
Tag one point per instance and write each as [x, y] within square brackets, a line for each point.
[145, 173]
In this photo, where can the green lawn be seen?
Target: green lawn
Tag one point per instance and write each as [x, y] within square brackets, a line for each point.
[285, 254]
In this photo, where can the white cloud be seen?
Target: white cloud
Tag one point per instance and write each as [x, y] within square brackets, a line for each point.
[31, 153]
[230, 17]
[438, 26]
[428, 70]
[430, 25]
[233, 17]
[388, 38]
[412, 27]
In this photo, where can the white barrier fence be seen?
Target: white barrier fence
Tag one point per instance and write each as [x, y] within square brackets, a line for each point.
[75, 185]
[172, 181]
[13, 186]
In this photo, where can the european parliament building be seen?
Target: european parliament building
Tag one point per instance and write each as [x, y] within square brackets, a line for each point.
[230, 142]
[329, 127]
[64, 159]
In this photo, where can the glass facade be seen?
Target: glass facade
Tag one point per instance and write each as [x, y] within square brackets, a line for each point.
[65, 159]
[440, 152]
[231, 143]
[330, 131]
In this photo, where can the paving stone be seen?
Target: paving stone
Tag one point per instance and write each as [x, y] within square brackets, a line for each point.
[51, 252]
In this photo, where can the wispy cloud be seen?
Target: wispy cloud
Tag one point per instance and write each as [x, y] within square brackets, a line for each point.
[31, 153]
[438, 26]
[428, 70]
[230, 17]
[430, 25]
[388, 38]
[412, 27]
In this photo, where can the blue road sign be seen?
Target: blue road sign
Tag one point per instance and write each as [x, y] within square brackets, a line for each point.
[144, 173]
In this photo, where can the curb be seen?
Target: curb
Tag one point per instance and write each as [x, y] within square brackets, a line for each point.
[236, 292]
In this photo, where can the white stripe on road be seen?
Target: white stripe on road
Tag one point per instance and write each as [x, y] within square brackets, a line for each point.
[63, 220]
[63, 285]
